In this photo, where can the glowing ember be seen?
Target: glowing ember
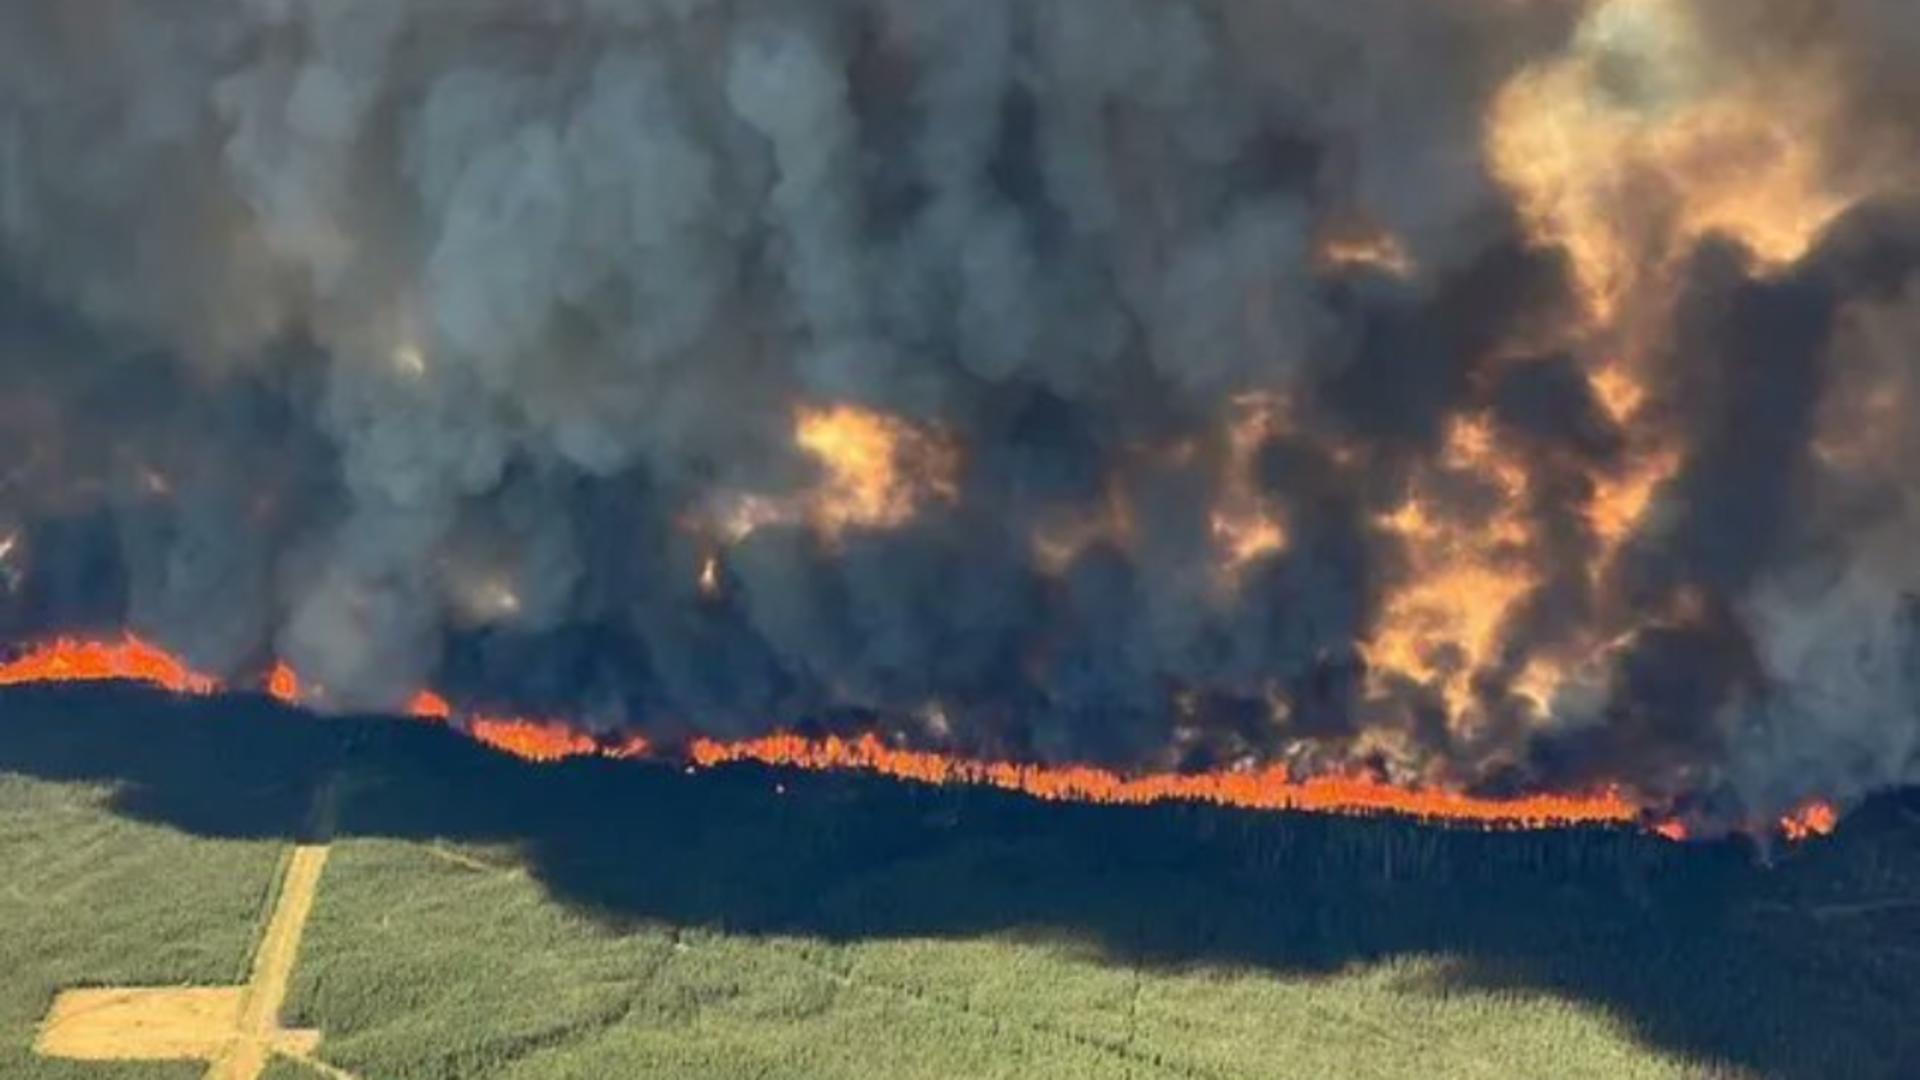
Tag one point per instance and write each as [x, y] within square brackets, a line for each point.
[1269, 788]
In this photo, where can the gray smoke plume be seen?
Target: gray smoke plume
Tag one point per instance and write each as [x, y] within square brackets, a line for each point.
[1506, 394]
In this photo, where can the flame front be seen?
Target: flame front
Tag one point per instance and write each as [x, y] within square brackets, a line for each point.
[1506, 394]
[129, 659]
[1272, 788]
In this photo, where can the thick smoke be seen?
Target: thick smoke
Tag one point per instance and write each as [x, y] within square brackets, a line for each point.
[1505, 394]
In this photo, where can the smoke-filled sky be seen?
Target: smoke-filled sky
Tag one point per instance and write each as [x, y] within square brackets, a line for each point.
[1496, 393]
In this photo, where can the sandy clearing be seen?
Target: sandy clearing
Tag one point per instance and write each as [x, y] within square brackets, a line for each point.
[155, 1025]
[234, 1028]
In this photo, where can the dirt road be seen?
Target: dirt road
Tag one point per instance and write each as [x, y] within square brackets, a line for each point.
[259, 1033]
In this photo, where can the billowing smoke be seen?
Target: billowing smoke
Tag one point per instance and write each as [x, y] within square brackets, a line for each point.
[1502, 393]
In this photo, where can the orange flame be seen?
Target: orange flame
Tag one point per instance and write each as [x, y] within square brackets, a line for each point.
[283, 684]
[427, 705]
[129, 659]
[1268, 788]
[1817, 818]
[533, 740]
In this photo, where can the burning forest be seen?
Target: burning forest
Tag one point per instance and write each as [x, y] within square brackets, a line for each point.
[1499, 411]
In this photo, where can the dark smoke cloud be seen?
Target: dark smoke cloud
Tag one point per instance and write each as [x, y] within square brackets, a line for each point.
[426, 343]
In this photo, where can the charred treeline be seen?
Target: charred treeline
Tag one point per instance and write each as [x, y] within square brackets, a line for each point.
[1513, 396]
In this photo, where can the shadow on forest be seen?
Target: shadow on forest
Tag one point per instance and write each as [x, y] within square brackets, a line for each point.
[1808, 968]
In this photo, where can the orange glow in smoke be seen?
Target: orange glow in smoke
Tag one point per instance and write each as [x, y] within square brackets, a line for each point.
[878, 468]
[1268, 788]
[1445, 624]
[1622, 499]
[1623, 180]
[1246, 527]
[1620, 503]
[877, 471]
[1377, 251]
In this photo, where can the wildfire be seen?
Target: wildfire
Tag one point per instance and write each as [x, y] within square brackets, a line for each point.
[1271, 788]
[1350, 242]
[1622, 499]
[283, 684]
[1057, 543]
[1244, 524]
[878, 471]
[129, 659]
[1268, 788]
[1445, 624]
[1246, 527]
[427, 705]
[1620, 503]
[1817, 818]
[533, 740]
[878, 468]
[1638, 105]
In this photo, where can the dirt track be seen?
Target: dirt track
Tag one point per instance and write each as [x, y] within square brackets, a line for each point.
[259, 1032]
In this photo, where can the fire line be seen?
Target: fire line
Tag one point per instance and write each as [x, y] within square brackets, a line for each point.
[131, 659]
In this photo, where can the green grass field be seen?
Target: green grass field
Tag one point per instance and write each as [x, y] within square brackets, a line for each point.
[487, 919]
